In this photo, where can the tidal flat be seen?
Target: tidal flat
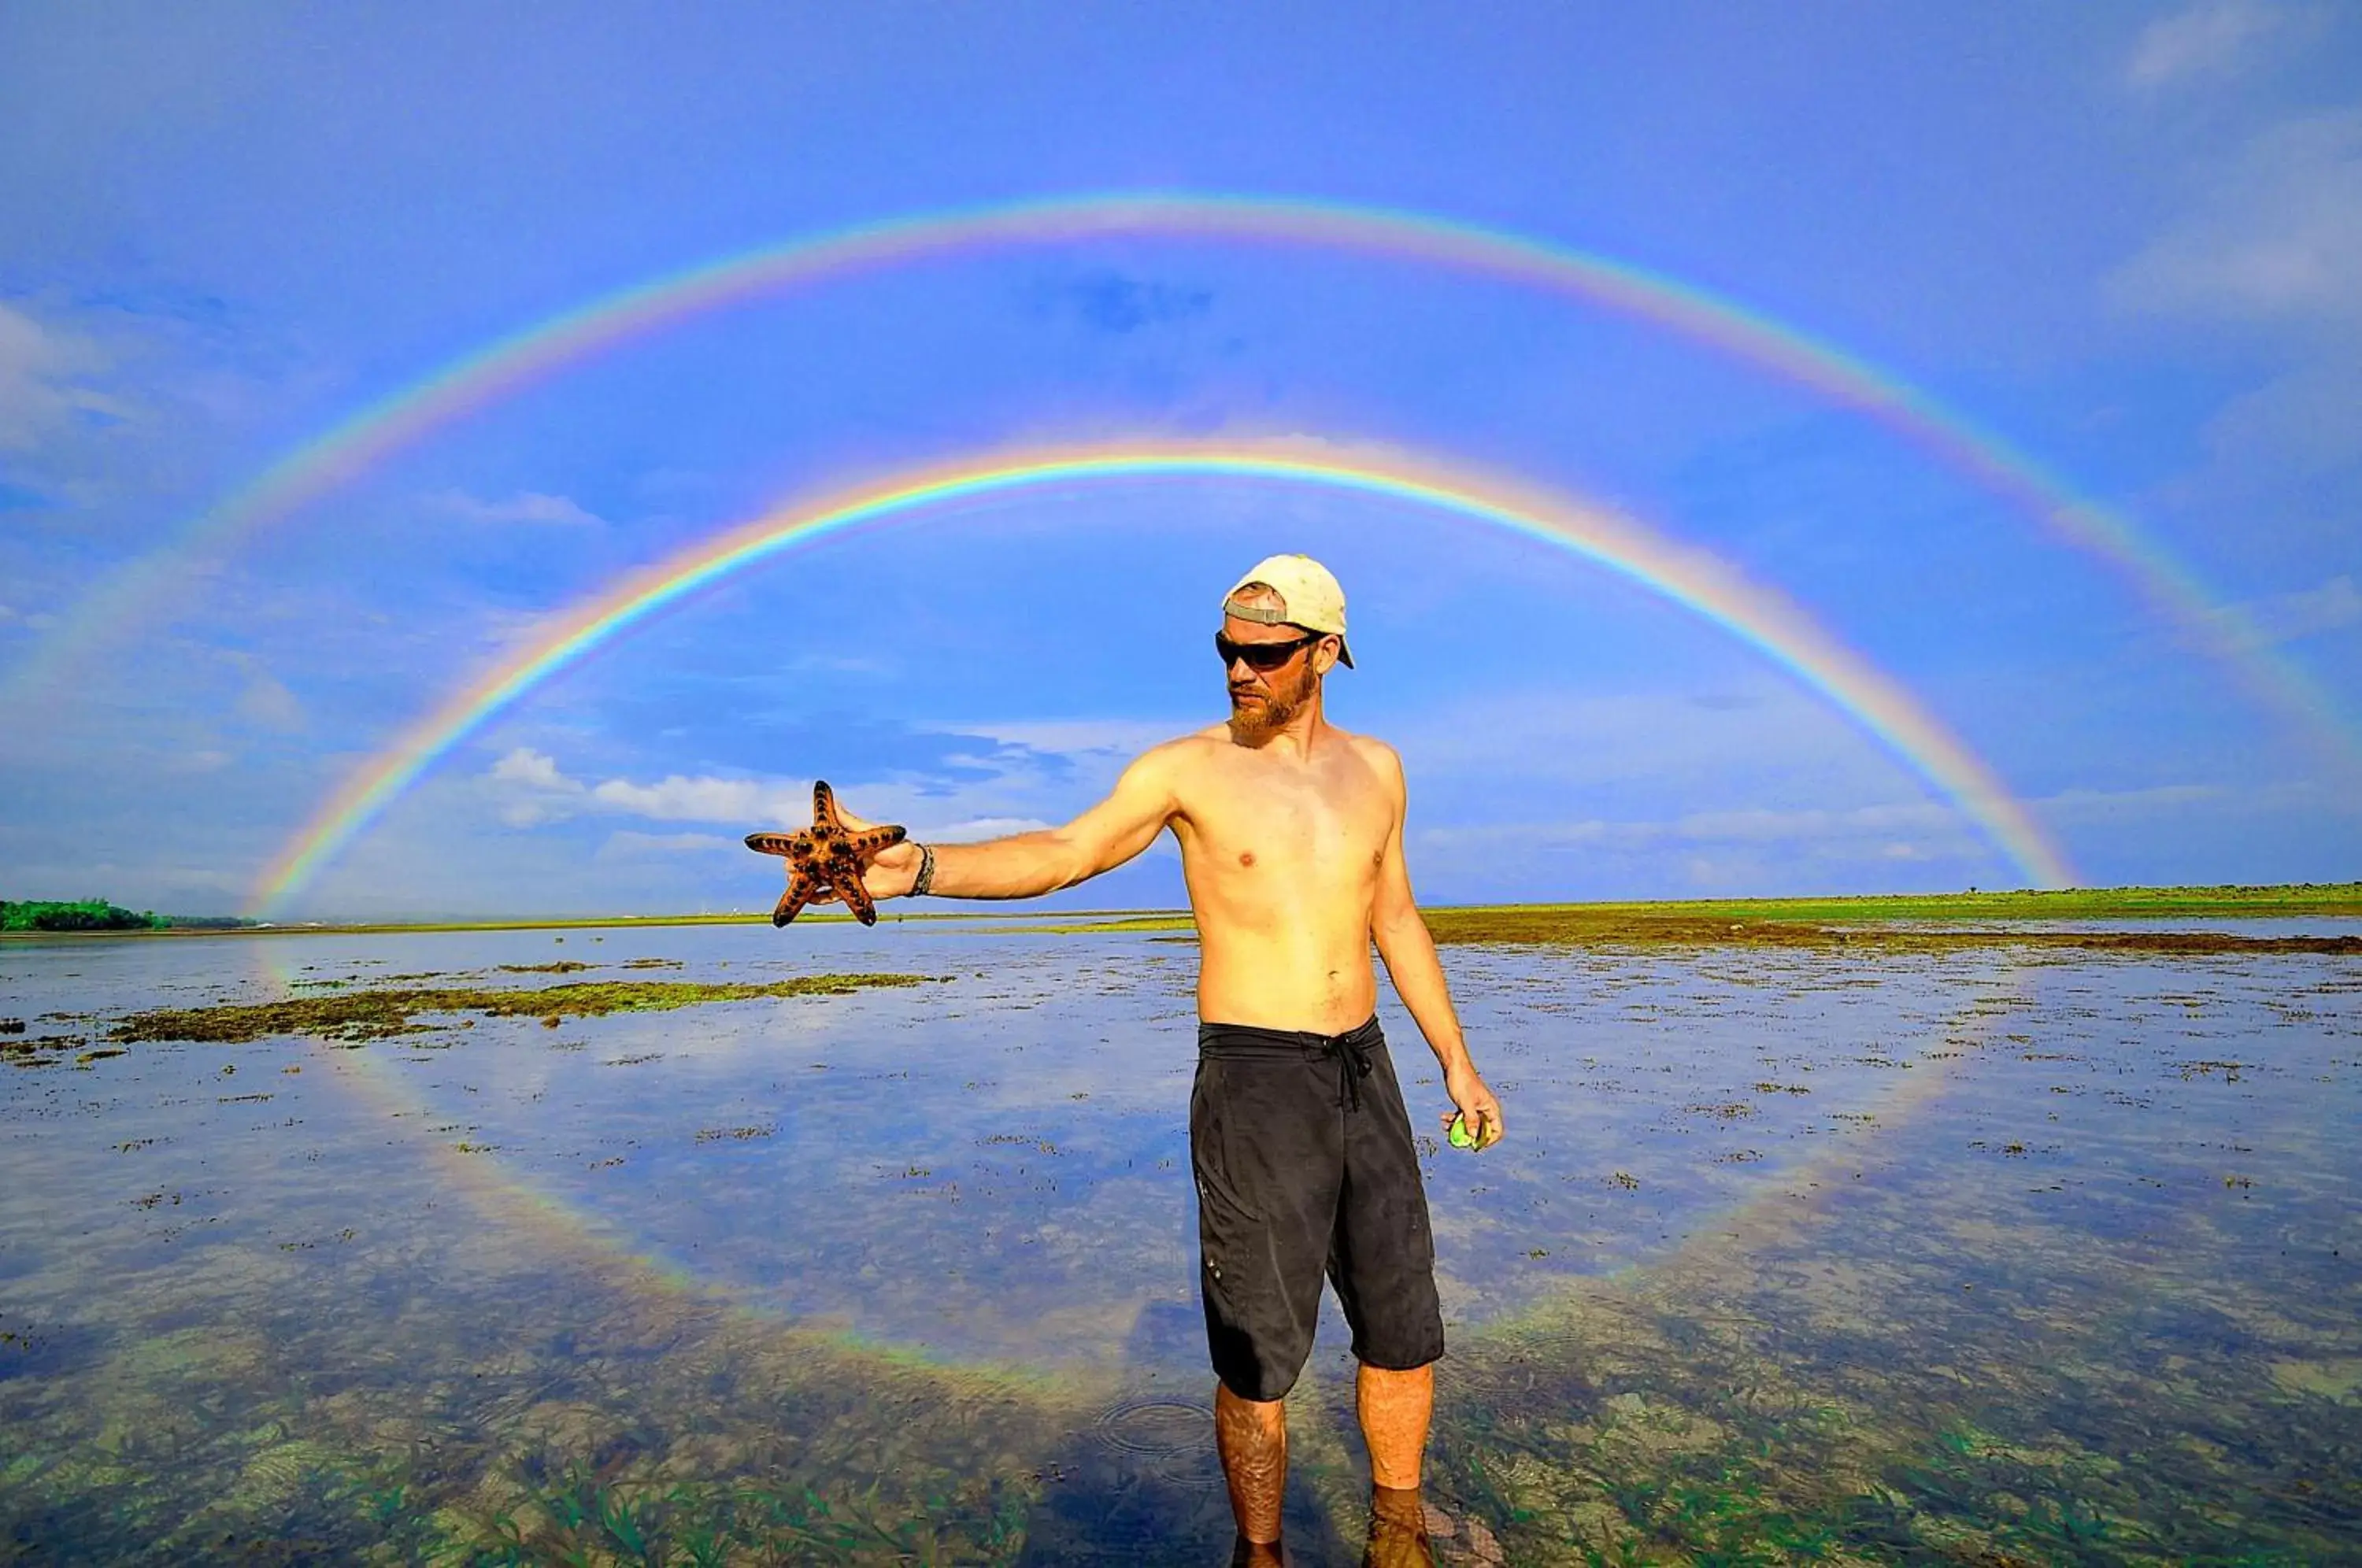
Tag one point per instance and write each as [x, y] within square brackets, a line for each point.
[646, 1244]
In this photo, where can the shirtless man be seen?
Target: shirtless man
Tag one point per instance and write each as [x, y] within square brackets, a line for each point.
[1291, 833]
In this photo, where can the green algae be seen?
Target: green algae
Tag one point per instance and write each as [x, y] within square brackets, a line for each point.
[1825, 1388]
[1731, 1412]
[382, 1014]
[465, 1437]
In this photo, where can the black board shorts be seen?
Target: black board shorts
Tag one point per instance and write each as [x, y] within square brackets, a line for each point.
[1304, 1166]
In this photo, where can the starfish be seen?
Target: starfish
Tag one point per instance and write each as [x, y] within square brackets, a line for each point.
[825, 860]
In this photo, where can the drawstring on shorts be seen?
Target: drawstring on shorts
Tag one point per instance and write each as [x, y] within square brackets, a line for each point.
[1353, 1065]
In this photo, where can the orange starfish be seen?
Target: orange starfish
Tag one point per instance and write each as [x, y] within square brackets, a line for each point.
[825, 860]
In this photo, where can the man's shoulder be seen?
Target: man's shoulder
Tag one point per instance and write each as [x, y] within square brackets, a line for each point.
[1182, 754]
[1373, 751]
[1196, 746]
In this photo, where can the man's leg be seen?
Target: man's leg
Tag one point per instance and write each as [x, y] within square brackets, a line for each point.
[1251, 1436]
[1395, 1406]
[1382, 1262]
[1263, 1145]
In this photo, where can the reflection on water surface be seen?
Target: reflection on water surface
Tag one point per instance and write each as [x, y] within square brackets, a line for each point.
[1793, 1255]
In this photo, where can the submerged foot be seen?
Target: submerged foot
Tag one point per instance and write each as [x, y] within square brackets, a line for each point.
[1246, 1553]
[1399, 1530]
[1408, 1531]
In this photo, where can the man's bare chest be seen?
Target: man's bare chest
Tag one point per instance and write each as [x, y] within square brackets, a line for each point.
[1329, 824]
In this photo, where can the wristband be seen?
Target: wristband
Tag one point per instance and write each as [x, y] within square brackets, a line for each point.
[926, 879]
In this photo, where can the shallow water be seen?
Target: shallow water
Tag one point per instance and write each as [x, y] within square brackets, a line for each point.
[1791, 1255]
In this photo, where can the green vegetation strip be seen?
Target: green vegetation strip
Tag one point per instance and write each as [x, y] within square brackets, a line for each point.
[1915, 921]
[1610, 925]
[380, 1014]
[1659, 919]
[1613, 926]
[2064, 903]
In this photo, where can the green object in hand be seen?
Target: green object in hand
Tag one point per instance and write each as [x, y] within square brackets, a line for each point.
[1463, 1139]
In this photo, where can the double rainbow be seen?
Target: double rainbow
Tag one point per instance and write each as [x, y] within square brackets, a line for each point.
[519, 361]
[1752, 611]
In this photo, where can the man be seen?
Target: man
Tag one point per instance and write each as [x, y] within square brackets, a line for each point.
[1291, 834]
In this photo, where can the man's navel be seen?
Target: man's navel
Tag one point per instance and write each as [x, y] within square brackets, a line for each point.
[1247, 856]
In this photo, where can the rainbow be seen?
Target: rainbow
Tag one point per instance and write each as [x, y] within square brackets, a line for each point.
[1757, 615]
[519, 361]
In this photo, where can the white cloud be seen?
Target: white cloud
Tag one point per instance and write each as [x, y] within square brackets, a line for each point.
[1729, 842]
[2089, 805]
[678, 797]
[1536, 835]
[964, 816]
[2286, 617]
[264, 699]
[44, 377]
[267, 701]
[2204, 40]
[2274, 235]
[1766, 726]
[842, 664]
[530, 788]
[1764, 826]
[2298, 424]
[624, 842]
[976, 829]
[1867, 829]
[527, 766]
[1124, 738]
[525, 506]
[533, 789]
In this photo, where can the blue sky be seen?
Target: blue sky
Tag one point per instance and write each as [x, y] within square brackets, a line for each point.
[2127, 239]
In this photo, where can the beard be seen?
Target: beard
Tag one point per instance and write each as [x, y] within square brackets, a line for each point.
[1252, 726]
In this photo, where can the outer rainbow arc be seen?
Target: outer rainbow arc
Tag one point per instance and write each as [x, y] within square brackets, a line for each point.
[1753, 337]
[1757, 615]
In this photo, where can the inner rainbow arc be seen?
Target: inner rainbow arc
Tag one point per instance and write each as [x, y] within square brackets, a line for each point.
[1756, 613]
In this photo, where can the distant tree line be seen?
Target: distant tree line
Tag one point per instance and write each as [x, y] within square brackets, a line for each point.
[82, 914]
[98, 915]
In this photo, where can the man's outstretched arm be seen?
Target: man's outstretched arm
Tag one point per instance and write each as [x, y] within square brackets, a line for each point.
[1027, 864]
[1408, 949]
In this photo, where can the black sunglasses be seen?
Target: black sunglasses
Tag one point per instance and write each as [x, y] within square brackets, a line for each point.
[1265, 657]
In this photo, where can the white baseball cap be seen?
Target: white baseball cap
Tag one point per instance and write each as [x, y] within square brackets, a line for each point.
[1309, 597]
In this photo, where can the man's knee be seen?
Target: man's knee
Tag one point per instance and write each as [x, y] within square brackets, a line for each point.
[1231, 1403]
[1400, 1376]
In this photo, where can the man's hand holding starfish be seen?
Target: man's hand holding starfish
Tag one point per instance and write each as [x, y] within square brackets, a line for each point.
[830, 860]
